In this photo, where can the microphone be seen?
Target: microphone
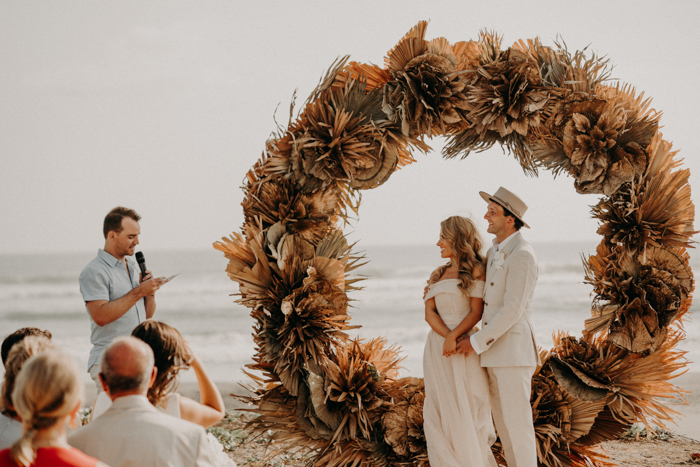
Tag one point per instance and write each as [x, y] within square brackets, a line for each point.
[142, 263]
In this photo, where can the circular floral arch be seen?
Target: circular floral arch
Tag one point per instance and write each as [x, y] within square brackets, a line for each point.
[341, 398]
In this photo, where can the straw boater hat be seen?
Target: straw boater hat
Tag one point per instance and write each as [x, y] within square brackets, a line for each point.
[508, 200]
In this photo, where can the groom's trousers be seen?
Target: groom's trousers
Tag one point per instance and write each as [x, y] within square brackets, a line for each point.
[510, 389]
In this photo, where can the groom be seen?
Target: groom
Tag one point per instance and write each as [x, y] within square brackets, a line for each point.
[506, 342]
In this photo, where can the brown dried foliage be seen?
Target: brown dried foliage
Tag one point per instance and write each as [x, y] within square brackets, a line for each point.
[655, 209]
[505, 101]
[403, 424]
[426, 93]
[637, 297]
[339, 398]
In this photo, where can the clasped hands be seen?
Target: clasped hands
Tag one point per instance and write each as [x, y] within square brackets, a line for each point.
[457, 344]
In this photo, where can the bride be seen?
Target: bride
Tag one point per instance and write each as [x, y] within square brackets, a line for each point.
[457, 414]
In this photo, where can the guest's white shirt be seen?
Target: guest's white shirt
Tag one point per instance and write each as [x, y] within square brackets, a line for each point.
[10, 431]
[133, 433]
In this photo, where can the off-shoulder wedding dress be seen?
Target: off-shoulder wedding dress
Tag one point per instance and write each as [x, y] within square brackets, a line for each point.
[457, 413]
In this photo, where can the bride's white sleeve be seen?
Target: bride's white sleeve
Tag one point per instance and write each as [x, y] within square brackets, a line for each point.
[477, 289]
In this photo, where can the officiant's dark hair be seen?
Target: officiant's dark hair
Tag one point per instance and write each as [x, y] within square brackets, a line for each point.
[518, 223]
[113, 219]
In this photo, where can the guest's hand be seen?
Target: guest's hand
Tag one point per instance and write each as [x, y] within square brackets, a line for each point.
[465, 346]
[450, 346]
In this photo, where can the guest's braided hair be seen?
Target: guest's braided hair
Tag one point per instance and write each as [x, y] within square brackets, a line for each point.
[466, 245]
[47, 389]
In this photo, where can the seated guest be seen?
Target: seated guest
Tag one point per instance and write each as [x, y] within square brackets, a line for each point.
[47, 396]
[10, 423]
[132, 432]
[172, 354]
[17, 336]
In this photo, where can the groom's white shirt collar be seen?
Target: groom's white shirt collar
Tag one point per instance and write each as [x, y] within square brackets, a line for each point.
[499, 246]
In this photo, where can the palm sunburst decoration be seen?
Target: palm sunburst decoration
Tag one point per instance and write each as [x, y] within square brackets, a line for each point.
[341, 399]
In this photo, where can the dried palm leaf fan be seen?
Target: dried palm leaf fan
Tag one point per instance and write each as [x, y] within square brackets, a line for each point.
[341, 400]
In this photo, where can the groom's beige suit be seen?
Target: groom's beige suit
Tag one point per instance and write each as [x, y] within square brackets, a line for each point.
[507, 348]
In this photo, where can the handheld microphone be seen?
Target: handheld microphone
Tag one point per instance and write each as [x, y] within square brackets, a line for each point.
[142, 263]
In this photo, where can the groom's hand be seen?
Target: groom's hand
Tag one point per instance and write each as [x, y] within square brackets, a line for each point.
[464, 345]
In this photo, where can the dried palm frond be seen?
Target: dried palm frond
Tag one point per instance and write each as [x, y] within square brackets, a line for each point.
[665, 281]
[489, 47]
[655, 209]
[560, 69]
[586, 456]
[403, 424]
[551, 416]
[248, 265]
[338, 138]
[344, 136]
[328, 80]
[505, 100]
[605, 428]
[294, 221]
[603, 136]
[576, 367]
[310, 320]
[374, 76]
[636, 327]
[644, 383]
[354, 387]
[644, 294]
[425, 95]
[611, 273]
[637, 383]
[356, 453]
[601, 162]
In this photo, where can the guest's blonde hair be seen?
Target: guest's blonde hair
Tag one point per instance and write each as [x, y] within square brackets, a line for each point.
[465, 243]
[19, 353]
[47, 389]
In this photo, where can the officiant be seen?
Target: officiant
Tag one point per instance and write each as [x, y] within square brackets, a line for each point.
[116, 296]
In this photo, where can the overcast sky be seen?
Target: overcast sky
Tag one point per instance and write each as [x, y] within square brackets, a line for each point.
[164, 106]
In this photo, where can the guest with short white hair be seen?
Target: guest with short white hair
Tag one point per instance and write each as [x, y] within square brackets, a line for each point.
[132, 432]
[47, 396]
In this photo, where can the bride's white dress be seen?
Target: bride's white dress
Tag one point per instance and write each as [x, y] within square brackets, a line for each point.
[456, 413]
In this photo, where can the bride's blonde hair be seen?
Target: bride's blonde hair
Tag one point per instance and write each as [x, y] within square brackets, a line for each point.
[465, 243]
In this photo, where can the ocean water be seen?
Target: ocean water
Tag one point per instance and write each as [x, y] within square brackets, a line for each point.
[42, 291]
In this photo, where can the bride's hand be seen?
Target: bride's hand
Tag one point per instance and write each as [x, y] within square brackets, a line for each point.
[450, 346]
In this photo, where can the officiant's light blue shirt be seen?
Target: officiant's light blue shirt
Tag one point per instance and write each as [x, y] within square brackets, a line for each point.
[105, 278]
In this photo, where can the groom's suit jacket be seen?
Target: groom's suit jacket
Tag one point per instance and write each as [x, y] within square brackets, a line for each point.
[506, 337]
